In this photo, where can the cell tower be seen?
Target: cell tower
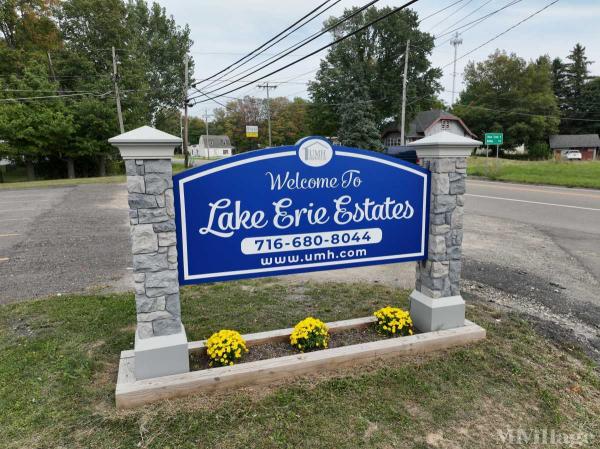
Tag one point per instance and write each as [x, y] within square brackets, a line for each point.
[455, 41]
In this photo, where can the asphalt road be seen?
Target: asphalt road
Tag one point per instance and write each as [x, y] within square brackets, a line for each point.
[62, 240]
[570, 217]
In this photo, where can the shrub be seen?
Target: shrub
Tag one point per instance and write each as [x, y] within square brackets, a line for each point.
[393, 321]
[310, 333]
[539, 150]
[225, 347]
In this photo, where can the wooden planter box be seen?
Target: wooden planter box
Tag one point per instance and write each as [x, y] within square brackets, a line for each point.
[132, 393]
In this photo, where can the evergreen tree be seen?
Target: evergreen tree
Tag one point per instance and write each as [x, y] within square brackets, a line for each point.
[577, 70]
[590, 108]
[559, 82]
[357, 122]
[576, 78]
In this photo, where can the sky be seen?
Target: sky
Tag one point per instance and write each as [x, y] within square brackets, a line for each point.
[225, 30]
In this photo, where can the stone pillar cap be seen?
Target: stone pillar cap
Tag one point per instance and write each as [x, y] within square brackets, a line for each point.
[145, 143]
[444, 144]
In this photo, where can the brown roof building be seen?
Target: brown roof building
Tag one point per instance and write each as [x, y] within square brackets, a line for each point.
[426, 123]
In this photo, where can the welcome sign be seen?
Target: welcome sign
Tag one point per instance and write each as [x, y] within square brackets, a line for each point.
[308, 207]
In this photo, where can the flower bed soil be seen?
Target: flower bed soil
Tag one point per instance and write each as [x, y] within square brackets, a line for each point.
[264, 351]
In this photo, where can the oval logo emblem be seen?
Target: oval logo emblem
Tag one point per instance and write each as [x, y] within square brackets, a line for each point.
[315, 152]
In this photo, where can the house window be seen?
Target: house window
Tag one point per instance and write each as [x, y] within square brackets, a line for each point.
[225, 151]
[445, 125]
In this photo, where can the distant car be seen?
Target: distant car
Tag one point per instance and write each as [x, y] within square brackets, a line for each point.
[573, 155]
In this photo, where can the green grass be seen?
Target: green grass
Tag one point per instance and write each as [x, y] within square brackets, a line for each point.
[568, 174]
[58, 365]
[22, 183]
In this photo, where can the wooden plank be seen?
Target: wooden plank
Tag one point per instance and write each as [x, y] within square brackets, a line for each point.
[259, 338]
[266, 371]
[126, 375]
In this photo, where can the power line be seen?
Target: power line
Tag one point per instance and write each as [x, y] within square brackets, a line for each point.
[504, 111]
[60, 77]
[479, 19]
[425, 98]
[468, 15]
[305, 41]
[47, 90]
[503, 32]
[266, 43]
[287, 51]
[274, 43]
[320, 33]
[440, 11]
[6, 100]
[475, 22]
[450, 15]
[383, 17]
[528, 114]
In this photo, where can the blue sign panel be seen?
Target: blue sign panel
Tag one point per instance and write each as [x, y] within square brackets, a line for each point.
[307, 207]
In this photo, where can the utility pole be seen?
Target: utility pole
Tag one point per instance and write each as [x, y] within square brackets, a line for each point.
[118, 98]
[206, 120]
[268, 86]
[455, 41]
[404, 81]
[206, 123]
[185, 111]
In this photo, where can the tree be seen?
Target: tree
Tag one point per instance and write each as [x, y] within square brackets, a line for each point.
[560, 82]
[577, 70]
[357, 122]
[571, 90]
[27, 24]
[79, 35]
[34, 130]
[289, 120]
[150, 46]
[506, 94]
[196, 128]
[376, 55]
[590, 108]
[232, 121]
[169, 121]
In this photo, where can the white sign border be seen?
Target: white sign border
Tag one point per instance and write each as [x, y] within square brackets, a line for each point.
[186, 274]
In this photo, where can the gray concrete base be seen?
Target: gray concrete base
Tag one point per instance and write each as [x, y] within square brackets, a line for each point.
[436, 314]
[161, 356]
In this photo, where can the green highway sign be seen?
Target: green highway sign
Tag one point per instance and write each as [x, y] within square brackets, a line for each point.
[494, 138]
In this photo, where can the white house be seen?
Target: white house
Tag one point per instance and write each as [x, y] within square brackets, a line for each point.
[212, 146]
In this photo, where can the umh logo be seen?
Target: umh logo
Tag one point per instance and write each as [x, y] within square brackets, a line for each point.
[315, 152]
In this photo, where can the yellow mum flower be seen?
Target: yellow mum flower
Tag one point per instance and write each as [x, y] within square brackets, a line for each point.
[309, 333]
[392, 321]
[225, 347]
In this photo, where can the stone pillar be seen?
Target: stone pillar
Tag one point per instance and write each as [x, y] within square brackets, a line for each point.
[160, 339]
[436, 303]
